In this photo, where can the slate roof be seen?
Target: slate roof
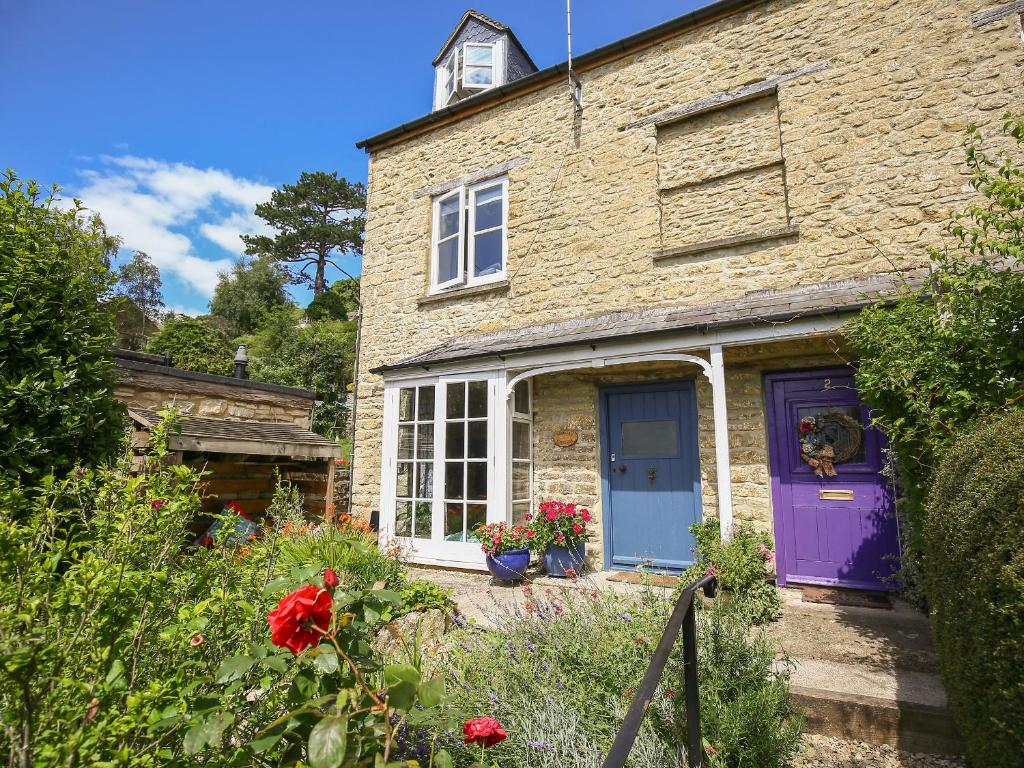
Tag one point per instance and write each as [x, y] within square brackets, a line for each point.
[197, 433]
[754, 308]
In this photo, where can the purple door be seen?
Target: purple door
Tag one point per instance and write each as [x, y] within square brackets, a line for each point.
[833, 509]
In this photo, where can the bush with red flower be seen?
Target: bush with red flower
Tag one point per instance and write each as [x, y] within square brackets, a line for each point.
[497, 538]
[561, 523]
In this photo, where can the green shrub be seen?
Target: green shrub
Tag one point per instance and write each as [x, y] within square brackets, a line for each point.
[194, 345]
[739, 565]
[423, 595]
[57, 406]
[560, 673]
[355, 556]
[974, 569]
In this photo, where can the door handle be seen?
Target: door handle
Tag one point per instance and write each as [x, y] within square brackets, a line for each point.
[652, 473]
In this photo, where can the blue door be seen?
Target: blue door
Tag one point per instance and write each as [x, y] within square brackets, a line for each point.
[650, 474]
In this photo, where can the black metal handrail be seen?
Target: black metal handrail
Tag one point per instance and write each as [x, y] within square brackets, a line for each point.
[683, 617]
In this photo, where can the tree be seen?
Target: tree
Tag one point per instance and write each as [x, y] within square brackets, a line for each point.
[194, 345]
[57, 405]
[317, 219]
[316, 356]
[339, 303]
[242, 296]
[139, 281]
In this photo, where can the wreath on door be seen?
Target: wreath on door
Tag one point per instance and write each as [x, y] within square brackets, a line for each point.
[828, 439]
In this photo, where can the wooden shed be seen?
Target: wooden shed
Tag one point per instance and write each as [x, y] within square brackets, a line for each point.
[242, 457]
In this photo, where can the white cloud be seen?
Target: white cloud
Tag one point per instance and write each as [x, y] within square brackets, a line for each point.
[169, 209]
[181, 309]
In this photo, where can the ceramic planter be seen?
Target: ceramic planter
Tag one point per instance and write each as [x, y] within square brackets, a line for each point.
[510, 565]
[557, 559]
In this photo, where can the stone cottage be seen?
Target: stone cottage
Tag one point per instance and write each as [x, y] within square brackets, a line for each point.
[622, 285]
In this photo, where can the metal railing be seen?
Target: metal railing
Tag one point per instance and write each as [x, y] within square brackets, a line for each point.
[683, 617]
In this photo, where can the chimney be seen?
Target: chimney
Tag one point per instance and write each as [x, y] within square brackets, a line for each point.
[241, 363]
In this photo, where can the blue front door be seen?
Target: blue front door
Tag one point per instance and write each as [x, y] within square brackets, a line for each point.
[651, 474]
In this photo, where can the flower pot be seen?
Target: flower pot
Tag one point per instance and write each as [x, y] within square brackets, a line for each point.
[510, 565]
[558, 559]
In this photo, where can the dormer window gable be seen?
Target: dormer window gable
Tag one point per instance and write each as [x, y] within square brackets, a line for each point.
[480, 54]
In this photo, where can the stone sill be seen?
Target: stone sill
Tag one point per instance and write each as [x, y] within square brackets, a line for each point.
[699, 249]
[495, 289]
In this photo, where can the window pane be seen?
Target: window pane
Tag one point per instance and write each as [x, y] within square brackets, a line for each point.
[425, 405]
[453, 473]
[405, 437]
[520, 480]
[650, 438]
[520, 440]
[448, 260]
[406, 398]
[423, 515]
[449, 217]
[403, 518]
[479, 54]
[453, 522]
[477, 399]
[424, 480]
[477, 76]
[522, 398]
[478, 440]
[476, 481]
[455, 408]
[519, 513]
[454, 442]
[403, 485]
[487, 253]
[425, 441]
[476, 514]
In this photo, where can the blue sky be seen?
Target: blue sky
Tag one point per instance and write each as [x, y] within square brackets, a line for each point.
[173, 119]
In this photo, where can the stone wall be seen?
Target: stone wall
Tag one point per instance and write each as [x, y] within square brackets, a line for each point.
[869, 155]
[147, 389]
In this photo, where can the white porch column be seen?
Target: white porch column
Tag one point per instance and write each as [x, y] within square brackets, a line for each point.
[722, 463]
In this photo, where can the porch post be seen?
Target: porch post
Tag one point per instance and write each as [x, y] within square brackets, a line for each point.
[722, 463]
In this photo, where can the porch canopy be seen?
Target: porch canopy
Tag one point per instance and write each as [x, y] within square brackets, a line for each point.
[694, 334]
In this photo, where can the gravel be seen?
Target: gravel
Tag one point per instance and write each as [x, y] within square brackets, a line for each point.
[825, 752]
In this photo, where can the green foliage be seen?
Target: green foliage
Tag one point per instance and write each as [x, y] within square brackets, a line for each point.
[944, 357]
[423, 595]
[139, 282]
[244, 295]
[339, 303]
[56, 332]
[739, 565]
[318, 356]
[194, 345]
[109, 629]
[355, 556]
[975, 579]
[560, 674]
[318, 219]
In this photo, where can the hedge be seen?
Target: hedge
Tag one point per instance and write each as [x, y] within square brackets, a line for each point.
[974, 571]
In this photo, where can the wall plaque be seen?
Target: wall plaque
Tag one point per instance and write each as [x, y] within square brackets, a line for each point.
[566, 437]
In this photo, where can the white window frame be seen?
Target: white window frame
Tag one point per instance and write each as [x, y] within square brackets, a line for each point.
[450, 86]
[493, 66]
[436, 550]
[522, 418]
[466, 269]
[471, 232]
[435, 246]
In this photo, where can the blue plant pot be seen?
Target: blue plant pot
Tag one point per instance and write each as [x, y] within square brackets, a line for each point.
[557, 560]
[509, 566]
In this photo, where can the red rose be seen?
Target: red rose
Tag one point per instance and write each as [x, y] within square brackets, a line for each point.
[331, 579]
[585, 514]
[577, 528]
[485, 731]
[292, 622]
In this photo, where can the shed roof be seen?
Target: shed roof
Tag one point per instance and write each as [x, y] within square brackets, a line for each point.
[753, 308]
[197, 433]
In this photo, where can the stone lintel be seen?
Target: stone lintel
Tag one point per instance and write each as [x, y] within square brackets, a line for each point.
[989, 15]
[698, 249]
[469, 178]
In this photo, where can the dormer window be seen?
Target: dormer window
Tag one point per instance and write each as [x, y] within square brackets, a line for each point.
[478, 70]
[479, 54]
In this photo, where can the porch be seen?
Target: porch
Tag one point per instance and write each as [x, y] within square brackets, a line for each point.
[653, 420]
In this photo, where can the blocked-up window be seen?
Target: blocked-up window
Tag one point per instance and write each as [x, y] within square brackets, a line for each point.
[721, 175]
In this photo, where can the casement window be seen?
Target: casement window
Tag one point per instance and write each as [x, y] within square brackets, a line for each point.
[448, 73]
[522, 452]
[478, 65]
[470, 235]
[445, 469]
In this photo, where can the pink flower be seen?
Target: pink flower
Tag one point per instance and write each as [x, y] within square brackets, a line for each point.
[551, 515]
[711, 571]
[157, 504]
[766, 552]
[196, 641]
[559, 538]
[585, 514]
[570, 572]
[577, 528]
[530, 534]
[528, 516]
